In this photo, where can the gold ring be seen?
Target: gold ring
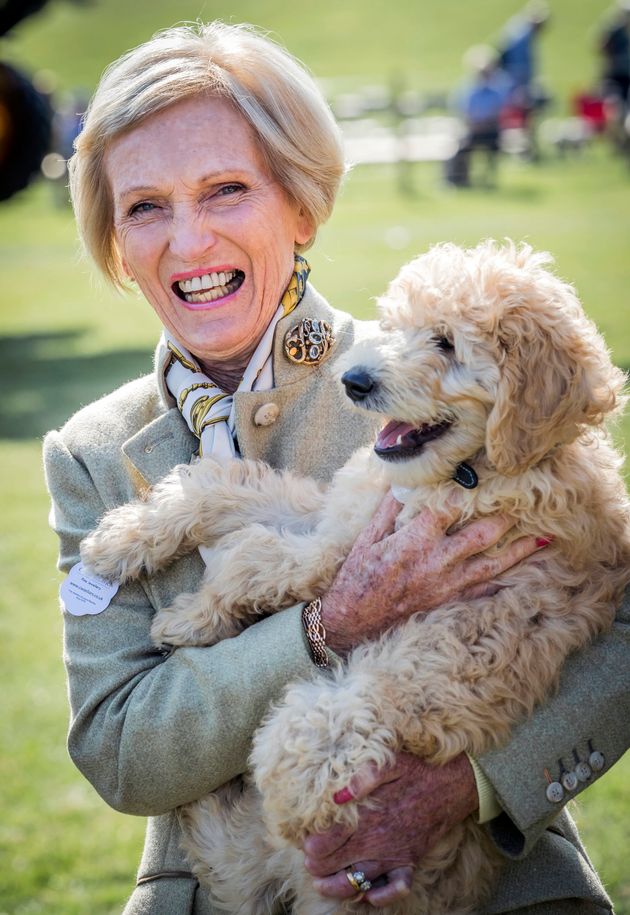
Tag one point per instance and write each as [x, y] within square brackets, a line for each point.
[358, 881]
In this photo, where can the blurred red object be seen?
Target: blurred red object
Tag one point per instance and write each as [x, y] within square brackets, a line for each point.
[592, 109]
[513, 117]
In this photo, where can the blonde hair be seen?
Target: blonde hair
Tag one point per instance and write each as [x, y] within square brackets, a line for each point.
[296, 131]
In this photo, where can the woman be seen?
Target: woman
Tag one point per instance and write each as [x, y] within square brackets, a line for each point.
[207, 160]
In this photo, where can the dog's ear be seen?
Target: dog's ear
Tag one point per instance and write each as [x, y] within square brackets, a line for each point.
[556, 378]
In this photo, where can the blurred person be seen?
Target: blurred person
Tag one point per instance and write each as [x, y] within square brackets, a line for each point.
[207, 160]
[614, 45]
[479, 102]
[518, 58]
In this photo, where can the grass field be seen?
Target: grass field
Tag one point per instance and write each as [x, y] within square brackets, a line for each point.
[65, 338]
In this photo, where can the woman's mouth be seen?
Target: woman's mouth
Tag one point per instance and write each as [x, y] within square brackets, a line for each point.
[208, 287]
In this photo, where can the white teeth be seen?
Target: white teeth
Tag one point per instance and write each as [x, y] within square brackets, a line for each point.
[399, 440]
[208, 281]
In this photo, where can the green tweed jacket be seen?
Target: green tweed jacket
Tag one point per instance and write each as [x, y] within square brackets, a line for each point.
[152, 733]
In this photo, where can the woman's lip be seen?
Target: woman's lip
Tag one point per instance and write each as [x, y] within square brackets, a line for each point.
[202, 271]
[207, 306]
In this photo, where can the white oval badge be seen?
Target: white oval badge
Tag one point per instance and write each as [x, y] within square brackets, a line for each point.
[86, 595]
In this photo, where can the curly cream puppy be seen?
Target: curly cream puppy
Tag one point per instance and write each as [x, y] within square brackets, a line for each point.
[488, 372]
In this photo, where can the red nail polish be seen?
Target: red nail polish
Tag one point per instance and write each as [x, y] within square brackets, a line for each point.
[343, 796]
[544, 541]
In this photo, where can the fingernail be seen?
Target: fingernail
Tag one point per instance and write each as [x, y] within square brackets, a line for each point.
[343, 796]
[544, 541]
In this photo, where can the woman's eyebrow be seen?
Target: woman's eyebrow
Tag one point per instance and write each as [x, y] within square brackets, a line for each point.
[136, 189]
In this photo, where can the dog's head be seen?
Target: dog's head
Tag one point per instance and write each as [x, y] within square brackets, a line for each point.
[480, 349]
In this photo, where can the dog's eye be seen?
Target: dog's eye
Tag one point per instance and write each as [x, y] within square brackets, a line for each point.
[444, 344]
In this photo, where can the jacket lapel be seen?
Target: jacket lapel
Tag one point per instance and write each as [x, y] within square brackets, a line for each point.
[158, 447]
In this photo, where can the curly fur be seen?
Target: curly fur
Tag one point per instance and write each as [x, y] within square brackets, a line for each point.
[525, 390]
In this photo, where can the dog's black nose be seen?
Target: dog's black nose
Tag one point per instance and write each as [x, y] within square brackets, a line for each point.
[358, 383]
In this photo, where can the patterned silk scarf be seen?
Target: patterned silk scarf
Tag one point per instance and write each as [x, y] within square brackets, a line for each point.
[209, 411]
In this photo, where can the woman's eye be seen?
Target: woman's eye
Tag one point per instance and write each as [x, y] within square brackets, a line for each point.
[444, 344]
[143, 207]
[228, 189]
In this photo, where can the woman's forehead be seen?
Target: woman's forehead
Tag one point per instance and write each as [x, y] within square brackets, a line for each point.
[191, 140]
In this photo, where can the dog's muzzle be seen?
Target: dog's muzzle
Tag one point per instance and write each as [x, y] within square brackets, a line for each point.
[358, 383]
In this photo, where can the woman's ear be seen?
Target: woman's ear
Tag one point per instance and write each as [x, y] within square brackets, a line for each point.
[304, 228]
[126, 270]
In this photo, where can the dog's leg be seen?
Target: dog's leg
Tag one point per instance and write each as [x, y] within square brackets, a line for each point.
[261, 569]
[195, 505]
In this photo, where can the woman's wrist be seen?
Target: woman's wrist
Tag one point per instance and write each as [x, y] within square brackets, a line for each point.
[315, 632]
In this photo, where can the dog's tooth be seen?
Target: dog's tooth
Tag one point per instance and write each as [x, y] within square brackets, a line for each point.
[399, 439]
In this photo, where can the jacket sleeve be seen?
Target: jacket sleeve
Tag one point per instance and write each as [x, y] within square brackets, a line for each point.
[590, 712]
[153, 732]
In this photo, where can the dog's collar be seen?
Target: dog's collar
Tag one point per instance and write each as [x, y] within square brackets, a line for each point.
[466, 476]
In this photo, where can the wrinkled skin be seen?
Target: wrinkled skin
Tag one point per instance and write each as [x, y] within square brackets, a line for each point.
[417, 805]
[389, 575]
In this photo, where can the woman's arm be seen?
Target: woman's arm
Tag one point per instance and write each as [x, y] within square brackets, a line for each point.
[592, 705]
[151, 732]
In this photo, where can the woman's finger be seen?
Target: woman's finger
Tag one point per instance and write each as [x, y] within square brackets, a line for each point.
[484, 568]
[322, 845]
[476, 537]
[434, 524]
[364, 782]
[398, 886]
[382, 522]
[337, 886]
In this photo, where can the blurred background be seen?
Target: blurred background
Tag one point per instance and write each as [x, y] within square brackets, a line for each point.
[456, 133]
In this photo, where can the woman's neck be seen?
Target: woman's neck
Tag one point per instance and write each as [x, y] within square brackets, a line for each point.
[227, 375]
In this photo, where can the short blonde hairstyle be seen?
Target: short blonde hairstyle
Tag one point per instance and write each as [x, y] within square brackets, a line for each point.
[298, 137]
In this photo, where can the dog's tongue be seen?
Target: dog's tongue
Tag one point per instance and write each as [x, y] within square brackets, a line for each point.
[388, 436]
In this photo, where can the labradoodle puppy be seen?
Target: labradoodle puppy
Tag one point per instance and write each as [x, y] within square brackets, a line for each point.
[487, 373]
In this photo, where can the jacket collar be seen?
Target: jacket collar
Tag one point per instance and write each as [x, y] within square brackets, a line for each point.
[166, 441]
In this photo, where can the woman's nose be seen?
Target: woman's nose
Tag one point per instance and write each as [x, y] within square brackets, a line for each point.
[191, 237]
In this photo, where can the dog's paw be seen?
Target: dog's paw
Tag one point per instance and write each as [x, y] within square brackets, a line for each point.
[108, 552]
[191, 622]
[311, 745]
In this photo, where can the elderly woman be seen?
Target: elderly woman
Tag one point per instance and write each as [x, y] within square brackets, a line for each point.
[207, 161]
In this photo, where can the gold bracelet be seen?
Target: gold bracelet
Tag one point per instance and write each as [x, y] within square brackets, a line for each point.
[315, 632]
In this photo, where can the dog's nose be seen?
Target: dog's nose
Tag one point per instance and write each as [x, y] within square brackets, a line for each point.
[358, 383]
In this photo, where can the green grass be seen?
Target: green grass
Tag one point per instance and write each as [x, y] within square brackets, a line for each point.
[350, 42]
[65, 338]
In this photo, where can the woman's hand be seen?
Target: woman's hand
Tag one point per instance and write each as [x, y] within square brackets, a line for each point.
[416, 804]
[389, 575]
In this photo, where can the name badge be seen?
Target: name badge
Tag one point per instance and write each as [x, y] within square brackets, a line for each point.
[86, 595]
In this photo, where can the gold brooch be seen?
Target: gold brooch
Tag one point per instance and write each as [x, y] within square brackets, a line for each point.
[308, 342]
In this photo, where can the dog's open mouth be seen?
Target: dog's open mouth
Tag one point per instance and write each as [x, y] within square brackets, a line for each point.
[399, 441]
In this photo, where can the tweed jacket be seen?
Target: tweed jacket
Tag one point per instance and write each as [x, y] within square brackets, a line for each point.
[152, 732]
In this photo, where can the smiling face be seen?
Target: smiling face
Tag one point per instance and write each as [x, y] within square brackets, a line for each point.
[202, 227]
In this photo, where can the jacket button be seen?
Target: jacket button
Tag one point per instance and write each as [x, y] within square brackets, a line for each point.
[583, 771]
[554, 792]
[569, 781]
[596, 761]
[266, 415]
